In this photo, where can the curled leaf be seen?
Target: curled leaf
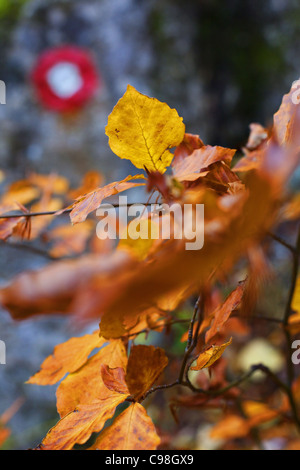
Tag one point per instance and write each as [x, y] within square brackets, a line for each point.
[210, 356]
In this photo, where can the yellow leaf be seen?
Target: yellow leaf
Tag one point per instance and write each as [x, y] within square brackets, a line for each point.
[142, 130]
[132, 430]
[210, 356]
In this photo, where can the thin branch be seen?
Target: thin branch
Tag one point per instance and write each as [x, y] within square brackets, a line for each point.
[67, 211]
[193, 337]
[160, 387]
[282, 242]
[30, 248]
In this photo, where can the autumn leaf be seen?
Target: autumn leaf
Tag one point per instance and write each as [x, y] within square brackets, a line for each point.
[7, 227]
[90, 182]
[142, 130]
[231, 427]
[86, 384]
[210, 356]
[191, 168]
[258, 134]
[284, 118]
[21, 192]
[190, 143]
[145, 364]
[67, 358]
[114, 379]
[68, 240]
[78, 425]
[53, 288]
[88, 203]
[132, 430]
[223, 312]
[55, 183]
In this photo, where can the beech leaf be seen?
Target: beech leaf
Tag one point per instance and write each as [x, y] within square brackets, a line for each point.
[145, 364]
[132, 430]
[142, 130]
[210, 356]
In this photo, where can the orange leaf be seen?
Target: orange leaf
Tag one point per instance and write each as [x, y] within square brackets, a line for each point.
[67, 358]
[145, 364]
[231, 427]
[77, 426]
[90, 182]
[132, 430]
[84, 205]
[210, 356]
[223, 312]
[69, 240]
[86, 385]
[53, 288]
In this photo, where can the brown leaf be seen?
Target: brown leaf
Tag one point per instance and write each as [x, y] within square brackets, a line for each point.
[132, 430]
[114, 379]
[7, 227]
[145, 364]
[191, 168]
[67, 358]
[190, 143]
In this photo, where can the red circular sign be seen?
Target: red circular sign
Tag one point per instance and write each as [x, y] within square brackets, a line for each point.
[65, 78]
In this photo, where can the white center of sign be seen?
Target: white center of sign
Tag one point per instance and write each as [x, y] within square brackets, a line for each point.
[65, 79]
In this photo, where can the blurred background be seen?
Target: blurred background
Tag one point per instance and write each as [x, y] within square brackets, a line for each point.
[221, 64]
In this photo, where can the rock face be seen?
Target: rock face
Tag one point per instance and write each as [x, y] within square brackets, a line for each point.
[114, 34]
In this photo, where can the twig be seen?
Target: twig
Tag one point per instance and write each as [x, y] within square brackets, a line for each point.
[31, 248]
[193, 337]
[282, 242]
[66, 211]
